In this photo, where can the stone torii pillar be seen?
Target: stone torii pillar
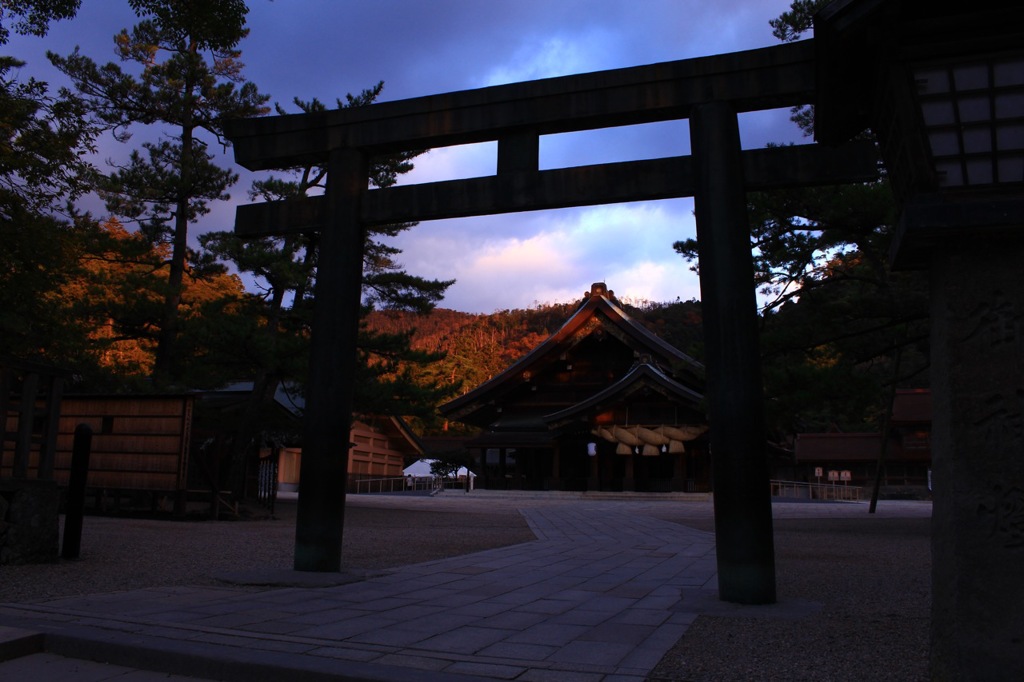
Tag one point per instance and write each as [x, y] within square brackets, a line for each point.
[327, 422]
[744, 542]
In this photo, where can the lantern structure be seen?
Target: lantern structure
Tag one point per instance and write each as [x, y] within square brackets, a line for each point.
[941, 85]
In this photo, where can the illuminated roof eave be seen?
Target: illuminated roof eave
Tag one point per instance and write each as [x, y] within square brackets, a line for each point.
[642, 375]
[507, 380]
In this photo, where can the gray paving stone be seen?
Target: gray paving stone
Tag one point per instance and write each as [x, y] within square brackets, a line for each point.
[437, 624]
[416, 662]
[641, 616]
[592, 653]
[346, 653]
[454, 600]
[535, 675]
[555, 634]
[618, 633]
[488, 670]
[318, 617]
[275, 627]
[547, 606]
[389, 637]
[625, 678]
[262, 644]
[482, 609]
[513, 620]
[346, 628]
[581, 616]
[608, 604]
[385, 604]
[464, 640]
[229, 620]
[519, 651]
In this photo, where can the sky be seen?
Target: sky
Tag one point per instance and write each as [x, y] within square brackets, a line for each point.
[327, 48]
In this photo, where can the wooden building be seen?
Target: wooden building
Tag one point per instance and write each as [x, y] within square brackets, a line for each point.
[602, 404]
[140, 443]
[908, 452]
[380, 446]
[154, 451]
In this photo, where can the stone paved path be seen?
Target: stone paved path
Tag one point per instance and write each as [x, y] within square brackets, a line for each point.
[596, 596]
[600, 596]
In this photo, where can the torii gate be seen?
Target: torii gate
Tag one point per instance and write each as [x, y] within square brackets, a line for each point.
[709, 91]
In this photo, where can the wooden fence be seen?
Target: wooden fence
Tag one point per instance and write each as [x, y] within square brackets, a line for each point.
[140, 443]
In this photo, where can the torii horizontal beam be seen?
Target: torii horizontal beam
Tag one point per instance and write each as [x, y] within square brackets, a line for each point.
[610, 183]
[767, 78]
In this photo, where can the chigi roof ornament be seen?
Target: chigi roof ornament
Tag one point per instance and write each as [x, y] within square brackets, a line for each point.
[600, 289]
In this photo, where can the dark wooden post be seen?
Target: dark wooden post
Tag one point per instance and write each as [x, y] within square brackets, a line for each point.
[48, 445]
[743, 515]
[75, 505]
[329, 391]
[26, 412]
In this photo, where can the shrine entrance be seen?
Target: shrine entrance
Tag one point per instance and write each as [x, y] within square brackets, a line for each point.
[709, 91]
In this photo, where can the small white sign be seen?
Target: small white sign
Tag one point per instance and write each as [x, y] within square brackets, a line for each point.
[818, 472]
[845, 475]
[833, 475]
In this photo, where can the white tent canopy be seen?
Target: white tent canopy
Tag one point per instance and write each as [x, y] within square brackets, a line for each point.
[421, 468]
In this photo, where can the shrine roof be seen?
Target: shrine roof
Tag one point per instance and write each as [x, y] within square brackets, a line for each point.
[643, 375]
[395, 428]
[912, 406]
[599, 301]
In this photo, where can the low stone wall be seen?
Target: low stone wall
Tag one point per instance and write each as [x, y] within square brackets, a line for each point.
[29, 522]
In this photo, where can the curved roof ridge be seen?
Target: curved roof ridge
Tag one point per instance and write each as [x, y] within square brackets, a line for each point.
[642, 372]
[520, 365]
[599, 298]
[653, 339]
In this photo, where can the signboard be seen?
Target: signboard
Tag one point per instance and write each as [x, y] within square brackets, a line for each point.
[833, 475]
[845, 475]
[817, 472]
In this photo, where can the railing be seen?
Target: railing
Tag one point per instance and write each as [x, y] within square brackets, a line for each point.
[816, 491]
[395, 484]
[266, 482]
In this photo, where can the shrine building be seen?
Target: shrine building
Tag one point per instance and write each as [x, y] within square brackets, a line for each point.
[602, 404]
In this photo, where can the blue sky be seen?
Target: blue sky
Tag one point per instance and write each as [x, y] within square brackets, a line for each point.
[327, 48]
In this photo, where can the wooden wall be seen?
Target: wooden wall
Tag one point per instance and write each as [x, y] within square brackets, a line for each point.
[379, 452]
[138, 443]
[373, 455]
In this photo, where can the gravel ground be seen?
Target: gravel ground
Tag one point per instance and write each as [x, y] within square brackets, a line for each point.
[870, 573]
[872, 577]
[129, 553]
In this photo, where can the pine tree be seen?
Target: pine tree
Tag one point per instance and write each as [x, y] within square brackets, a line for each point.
[838, 325]
[43, 141]
[33, 17]
[284, 268]
[191, 82]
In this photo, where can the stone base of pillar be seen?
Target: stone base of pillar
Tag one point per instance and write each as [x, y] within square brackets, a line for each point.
[29, 526]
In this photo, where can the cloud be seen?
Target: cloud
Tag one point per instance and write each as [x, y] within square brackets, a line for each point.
[547, 57]
[452, 163]
[325, 49]
[515, 261]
